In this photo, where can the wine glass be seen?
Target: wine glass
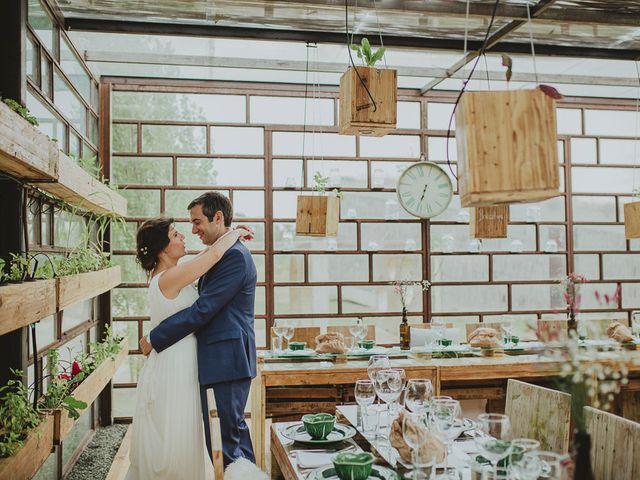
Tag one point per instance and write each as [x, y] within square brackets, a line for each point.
[288, 334]
[417, 395]
[377, 363]
[494, 442]
[444, 417]
[520, 447]
[403, 378]
[388, 385]
[415, 434]
[365, 394]
[279, 328]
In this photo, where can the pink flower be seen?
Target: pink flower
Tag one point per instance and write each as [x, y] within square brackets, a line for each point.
[64, 376]
[75, 369]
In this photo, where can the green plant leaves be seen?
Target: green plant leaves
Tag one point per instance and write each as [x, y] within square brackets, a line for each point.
[366, 54]
[71, 405]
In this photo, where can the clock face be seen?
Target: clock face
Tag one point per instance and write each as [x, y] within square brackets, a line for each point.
[424, 190]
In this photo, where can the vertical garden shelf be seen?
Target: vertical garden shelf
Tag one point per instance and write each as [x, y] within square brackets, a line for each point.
[24, 464]
[21, 304]
[75, 288]
[89, 390]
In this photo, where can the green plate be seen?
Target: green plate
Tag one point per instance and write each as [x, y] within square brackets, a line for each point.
[298, 433]
[378, 472]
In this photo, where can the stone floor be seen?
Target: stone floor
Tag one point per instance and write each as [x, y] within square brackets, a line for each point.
[95, 460]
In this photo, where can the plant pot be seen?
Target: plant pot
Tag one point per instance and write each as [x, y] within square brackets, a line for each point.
[24, 303]
[367, 344]
[297, 345]
[318, 215]
[632, 220]
[24, 463]
[582, 456]
[75, 288]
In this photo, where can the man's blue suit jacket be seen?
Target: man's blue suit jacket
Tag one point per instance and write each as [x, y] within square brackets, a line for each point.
[222, 319]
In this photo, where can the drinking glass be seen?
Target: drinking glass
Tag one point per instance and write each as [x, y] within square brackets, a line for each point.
[522, 445]
[388, 385]
[417, 395]
[635, 323]
[494, 442]
[552, 464]
[349, 343]
[365, 394]
[276, 344]
[403, 378]
[356, 330]
[288, 334]
[377, 363]
[414, 432]
[444, 417]
[279, 328]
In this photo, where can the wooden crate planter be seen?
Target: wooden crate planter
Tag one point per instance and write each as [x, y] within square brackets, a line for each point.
[356, 108]
[77, 187]
[22, 304]
[632, 220]
[75, 288]
[89, 390]
[318, 215]
[507, 147]
[24, 464]
[489, 222]
[25, 152]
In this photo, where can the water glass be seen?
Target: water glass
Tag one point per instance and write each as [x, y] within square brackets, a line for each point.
[349, 343]
[365, 394]
[370, 421]
[520, 447]
[276, 344]
[377, 363]
[494, 442]
[417, 395]
[444, 418]
[414, 433]
[288, 334]
[388, 385]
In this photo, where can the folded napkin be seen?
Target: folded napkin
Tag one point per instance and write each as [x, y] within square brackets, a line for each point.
[310, 459]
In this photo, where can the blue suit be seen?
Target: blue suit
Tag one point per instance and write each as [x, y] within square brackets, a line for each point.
[222, 319]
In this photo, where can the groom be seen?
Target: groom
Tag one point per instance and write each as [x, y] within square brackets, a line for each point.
[222, 319]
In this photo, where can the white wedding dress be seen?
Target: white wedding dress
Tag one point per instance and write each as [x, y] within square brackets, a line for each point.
[168, 434]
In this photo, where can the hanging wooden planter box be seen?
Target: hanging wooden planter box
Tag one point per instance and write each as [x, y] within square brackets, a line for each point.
[24, 464]
[89, 390]
[489, 222]
[318, 215]
[22, 304]
[75, 288]
[357, 115]
[507, 147]
[632, 220]
[77, 187]
[25, 152]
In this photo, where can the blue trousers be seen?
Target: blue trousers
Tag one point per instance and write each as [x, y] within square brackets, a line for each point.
[231, 398]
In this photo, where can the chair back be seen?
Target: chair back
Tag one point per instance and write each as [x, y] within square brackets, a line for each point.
[216, 436]
[552, 330]
[615, 445]
[539, 413]
[597, 327]
[303, 334]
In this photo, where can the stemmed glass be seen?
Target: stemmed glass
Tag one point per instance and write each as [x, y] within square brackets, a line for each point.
[494, 442]
[288, 334]
[377, 363]
[517, 464]
[358, 330]
[388, 385]
[444, 417]
[417, 395]
[415, 434]
[365, 394]
[394, 406]
[279, 328]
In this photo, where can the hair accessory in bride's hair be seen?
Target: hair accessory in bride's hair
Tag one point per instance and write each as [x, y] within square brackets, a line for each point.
[144, 250]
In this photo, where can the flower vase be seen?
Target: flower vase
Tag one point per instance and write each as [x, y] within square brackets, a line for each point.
[582, 456]
[572, 323]
[405, 339]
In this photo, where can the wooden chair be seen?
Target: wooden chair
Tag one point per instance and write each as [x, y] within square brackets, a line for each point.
[615, 445]
[303, 334]
[344, 330]
[430, 325]
[540, 413]
[597, 328]
[472, 327]
[552, 330]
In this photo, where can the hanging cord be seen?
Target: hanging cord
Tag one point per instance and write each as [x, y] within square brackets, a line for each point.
[533, 50]
[375, 9]
[346, 26]
[466, 36]
[637, 130]
[304, 119]
[465, 83]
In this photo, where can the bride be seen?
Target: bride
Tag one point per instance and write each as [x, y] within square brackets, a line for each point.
[168, 434]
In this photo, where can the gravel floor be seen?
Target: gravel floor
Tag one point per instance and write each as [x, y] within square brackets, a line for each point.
[95, 460]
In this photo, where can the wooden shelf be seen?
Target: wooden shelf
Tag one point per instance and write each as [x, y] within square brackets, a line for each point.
[29, 155]
[24, 303]
[24, 464]
[77, 187]
[89, 390]
[25, 152]
[75, 288]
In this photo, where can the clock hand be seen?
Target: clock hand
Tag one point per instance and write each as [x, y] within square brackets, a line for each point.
[424, 192]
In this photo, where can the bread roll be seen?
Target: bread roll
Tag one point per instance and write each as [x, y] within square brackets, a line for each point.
[332, 342]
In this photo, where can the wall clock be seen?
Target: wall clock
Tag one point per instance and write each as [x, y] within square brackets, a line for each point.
[424, 190]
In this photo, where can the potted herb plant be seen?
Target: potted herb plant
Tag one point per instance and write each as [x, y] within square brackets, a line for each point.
[318, 215]
[368, 95]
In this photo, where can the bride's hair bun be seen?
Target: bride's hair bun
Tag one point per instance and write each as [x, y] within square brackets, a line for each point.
[151, 239]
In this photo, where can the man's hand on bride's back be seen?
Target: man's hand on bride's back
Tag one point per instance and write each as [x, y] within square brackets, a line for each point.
[247, 235]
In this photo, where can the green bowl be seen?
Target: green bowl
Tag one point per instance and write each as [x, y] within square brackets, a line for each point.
[367, 344]
[353, 466]
[445, 342]
[512, 339]
[319, 425]
[297, 345]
